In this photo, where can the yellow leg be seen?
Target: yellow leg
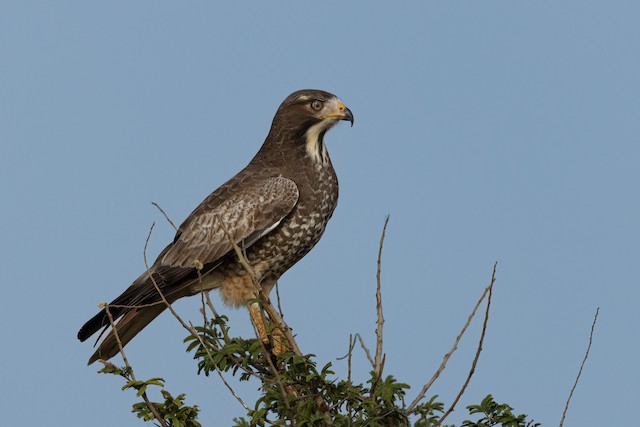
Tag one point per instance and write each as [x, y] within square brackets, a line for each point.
[279, 341]
[256, 318]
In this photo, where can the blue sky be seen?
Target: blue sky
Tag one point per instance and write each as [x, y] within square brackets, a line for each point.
[490, 131]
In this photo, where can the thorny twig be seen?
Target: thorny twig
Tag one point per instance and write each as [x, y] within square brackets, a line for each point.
[566, 407]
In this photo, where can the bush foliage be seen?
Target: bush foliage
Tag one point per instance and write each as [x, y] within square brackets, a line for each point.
[295, 392]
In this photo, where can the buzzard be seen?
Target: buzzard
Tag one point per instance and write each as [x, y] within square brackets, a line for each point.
[275, 209]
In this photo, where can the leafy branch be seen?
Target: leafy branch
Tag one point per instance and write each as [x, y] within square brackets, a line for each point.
[295, 391]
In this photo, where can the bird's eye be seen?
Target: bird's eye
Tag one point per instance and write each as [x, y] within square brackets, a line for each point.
[317, 105]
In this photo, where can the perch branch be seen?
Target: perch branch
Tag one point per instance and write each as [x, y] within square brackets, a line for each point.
[266, 304]
[264, 298]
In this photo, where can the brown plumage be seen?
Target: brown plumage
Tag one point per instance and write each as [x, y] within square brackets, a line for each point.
[276, 209]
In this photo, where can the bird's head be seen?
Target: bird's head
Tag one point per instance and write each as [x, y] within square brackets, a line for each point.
[306, 115]
[314, 106]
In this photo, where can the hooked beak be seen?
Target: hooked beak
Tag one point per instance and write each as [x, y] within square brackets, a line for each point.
[347, 115]
[341, 113]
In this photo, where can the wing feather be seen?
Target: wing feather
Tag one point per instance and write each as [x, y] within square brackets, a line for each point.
[243, 217]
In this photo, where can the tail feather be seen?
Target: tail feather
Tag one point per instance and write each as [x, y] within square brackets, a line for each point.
[118, 307]
[131, 312]
[127, 327]
[136, 307]
[97, 322]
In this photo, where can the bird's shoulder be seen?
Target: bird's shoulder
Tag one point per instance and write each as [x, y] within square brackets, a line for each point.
[244, 193]
[241, 210]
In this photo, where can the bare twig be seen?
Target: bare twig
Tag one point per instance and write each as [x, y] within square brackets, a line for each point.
[233, 393]
[165, 215]
[204, 295]
[274, 370]
[155, 284]
[265, 303]
[203, 310]
[210, 304]
[144, 396]
[226, 339]
[215, 314]
[203, 307]
[380, 321]
[346, 356]
[366, 350]
[352, 343]
[189, 328]
[447, 356]
[117, 336]
[153, 304]
[593, 325]
[264, 298]
[274, 316]
[278, 298]
[372, 392]
[477, 356]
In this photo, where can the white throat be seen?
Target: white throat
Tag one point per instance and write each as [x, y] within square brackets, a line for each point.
[316, 149]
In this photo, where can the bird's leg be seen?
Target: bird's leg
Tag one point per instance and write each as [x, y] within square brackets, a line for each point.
[258, 320]
[279, 341]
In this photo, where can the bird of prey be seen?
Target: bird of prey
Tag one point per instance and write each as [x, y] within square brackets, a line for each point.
[275, 209]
